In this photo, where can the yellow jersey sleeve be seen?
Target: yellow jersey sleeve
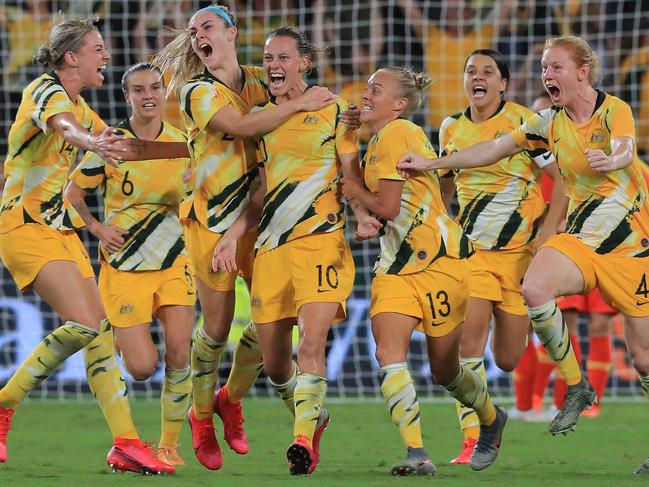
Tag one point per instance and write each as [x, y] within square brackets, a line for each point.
[90, 173]
[201, 101]
[620, 121]
[533, 134]
[50, 101]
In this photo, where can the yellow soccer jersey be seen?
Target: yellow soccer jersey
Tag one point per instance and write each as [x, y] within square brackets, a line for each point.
[500, 205]
[141, 197]
[300, 158]
[607, 211]
[39, 159]
[423, 231]
[225, 166]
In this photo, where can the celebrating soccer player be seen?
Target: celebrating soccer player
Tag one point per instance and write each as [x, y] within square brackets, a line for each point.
[145, 267]
[37, 240]
[216, 94]
[422, 275]
[501, 209]
[606, 244]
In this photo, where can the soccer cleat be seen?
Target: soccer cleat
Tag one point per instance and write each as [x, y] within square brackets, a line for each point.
[419, 465]
[302, 459]
[5, 425]
[464, 458]
[579, 397]
[320, 427]
[207, 449]
[131, 455]
[593, 412]
[643, 468]
[169, 455]
[232, 417]
[488, 446]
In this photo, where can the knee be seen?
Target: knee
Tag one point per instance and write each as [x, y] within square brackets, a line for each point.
[312, 344]
[442, 372]
[177, 357]
[640, 359]
[140, 370]
[507, 363]
[536, 290]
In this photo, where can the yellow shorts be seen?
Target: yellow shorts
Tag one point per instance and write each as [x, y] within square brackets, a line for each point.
[497, 275]
[132, 298]
[26, 249]
[437, 295]
[200, 243]
[313, 269]
[622, 280]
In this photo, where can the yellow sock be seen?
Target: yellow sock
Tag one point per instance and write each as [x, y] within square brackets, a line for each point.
[44, 360]
[206, 355]
[469, 422]
[399, 392]
[174, 400]
[246, 364]
[644, 383]
[469, 389]
[548, 324]
[286, 390]
[309, 396]
[107, 384]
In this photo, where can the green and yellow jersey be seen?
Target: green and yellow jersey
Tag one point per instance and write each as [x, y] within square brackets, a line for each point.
[300, 158]
[501, 205]
[607, 211]
[423, 231]
[38, 158]
[225, 166]
[141, 197]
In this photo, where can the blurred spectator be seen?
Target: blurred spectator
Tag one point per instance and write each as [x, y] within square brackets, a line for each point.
[353, 53]
[447, 43]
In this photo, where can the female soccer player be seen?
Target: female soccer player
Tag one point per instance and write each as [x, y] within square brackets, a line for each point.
[38, 244]
[145, 267]
[501, 209]
[216, 94]
[301, 241]
[422, 276]
[606, 243]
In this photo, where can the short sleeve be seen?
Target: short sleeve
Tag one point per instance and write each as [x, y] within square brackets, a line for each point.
[90, 173]
[620, 121]
[51, 101]
[201, 101]
[389, 153]
[533, 134]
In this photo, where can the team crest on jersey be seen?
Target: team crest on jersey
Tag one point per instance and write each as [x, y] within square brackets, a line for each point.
[311, 120]
[255, 302]
[596, 138]
[126, 308]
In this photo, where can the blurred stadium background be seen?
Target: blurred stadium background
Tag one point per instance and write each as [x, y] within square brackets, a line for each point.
[434, 36]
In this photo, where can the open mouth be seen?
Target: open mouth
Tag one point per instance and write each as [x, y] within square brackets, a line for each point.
[100, 71]
[277, 79]
[553, 91]
[479, 91]
[149, 105]
[206, 49]
[367, 108]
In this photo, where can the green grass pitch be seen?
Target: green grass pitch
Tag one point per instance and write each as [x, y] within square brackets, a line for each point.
[55, 443]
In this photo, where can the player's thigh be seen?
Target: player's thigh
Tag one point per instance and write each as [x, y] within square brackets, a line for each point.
[392, 333]
[444, 355]
[551, 273]
[636, 334]
[139, 352]
[217, 308]
[476, 327]
[78, 300]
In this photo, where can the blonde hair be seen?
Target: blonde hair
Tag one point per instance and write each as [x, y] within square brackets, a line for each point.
[178, 58]
[580, 52]
[66, 36]
[412, 86]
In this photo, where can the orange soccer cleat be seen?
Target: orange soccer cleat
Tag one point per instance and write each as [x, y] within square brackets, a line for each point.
[232, 417]
[131, 455]
[5, 425]
[207, 449]
[464, 458]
